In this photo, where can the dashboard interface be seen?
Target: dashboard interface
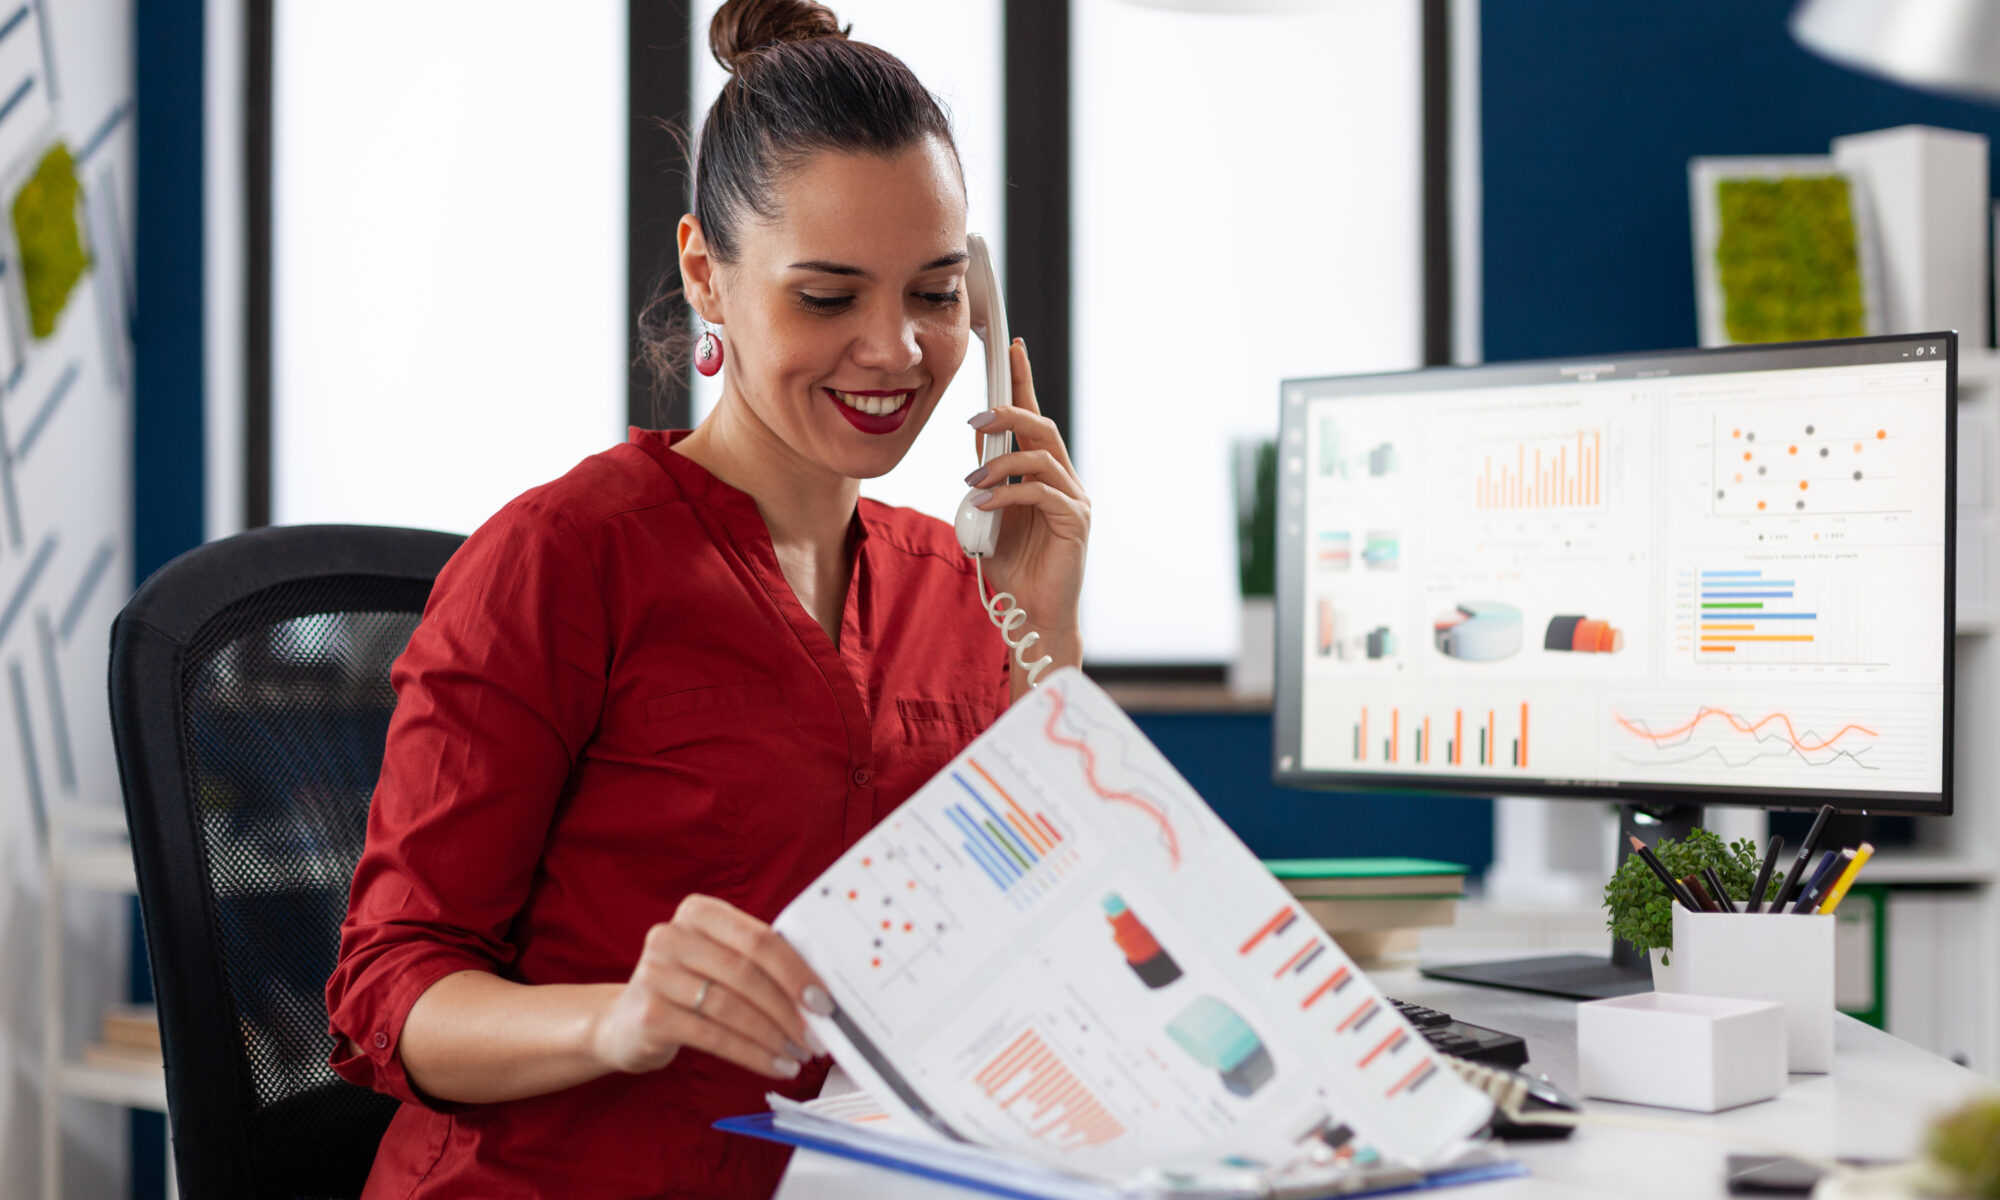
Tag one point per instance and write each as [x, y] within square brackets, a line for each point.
[1723, 572]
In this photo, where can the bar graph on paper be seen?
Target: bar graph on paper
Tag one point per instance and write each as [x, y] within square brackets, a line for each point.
[1482, 736]
[1802, 614]
[1561, 472]
[1033, 1083]
[1014, 847]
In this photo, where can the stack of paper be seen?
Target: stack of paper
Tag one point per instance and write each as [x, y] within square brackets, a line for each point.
[1374, 906]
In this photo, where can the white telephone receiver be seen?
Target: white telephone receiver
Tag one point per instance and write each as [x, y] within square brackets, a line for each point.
[979, 531]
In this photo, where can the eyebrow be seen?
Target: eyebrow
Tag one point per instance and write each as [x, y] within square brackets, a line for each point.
[823, 267]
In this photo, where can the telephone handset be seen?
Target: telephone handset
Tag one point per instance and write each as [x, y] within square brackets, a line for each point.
[978, 530]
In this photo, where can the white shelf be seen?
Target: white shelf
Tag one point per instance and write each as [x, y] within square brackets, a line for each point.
[136, 1086]
[1917, 868]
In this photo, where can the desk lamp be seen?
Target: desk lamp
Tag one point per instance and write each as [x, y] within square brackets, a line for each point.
[1938, 45]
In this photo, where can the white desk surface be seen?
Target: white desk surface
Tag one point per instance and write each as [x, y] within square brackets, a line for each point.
[1874, 1105]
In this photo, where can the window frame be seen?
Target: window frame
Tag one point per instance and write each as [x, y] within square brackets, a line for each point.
[1036, 114]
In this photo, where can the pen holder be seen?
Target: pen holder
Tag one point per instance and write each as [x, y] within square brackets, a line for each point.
[1765, 956]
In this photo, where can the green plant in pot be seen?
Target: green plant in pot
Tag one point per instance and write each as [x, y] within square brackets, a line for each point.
[1636, 902]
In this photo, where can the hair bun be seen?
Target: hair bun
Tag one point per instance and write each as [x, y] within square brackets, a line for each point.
[741, 28]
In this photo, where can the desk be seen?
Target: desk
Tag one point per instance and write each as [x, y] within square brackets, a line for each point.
[1874, 1105]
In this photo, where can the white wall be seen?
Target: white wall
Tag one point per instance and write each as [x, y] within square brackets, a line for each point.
[65, 559]
[448, 254]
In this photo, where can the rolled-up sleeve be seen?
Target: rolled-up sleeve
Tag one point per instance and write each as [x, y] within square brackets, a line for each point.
[501, 687]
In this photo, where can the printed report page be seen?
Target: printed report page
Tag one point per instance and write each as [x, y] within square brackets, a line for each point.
[1728, 580]
[1056, 947]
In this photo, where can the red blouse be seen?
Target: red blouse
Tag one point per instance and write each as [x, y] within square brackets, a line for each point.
[615, 700]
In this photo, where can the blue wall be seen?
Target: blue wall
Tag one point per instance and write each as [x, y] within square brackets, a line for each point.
[1589, 112]
[1227, 757]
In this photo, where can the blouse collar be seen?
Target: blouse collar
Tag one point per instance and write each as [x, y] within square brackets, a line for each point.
[696, 483]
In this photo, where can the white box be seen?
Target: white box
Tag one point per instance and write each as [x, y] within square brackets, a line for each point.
[1783, 957]
[1704, 1053]
[1929, 195]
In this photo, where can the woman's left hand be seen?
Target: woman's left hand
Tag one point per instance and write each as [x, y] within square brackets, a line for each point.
[1046, 526]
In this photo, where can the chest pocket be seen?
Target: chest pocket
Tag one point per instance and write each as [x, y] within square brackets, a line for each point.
[950, 720]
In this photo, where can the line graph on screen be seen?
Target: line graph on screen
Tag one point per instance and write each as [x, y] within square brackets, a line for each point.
[1737, 740]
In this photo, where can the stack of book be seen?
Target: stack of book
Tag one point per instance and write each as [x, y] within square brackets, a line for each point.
[1374, 906]
[129, 1040]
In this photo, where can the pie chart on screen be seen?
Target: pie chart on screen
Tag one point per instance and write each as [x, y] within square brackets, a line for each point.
[1478, 631]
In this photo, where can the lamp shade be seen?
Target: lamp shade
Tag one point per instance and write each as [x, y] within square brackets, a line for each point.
[1240, 6]
[1939, 45]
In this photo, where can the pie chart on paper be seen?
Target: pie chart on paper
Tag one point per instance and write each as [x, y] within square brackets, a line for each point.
[1478, 631]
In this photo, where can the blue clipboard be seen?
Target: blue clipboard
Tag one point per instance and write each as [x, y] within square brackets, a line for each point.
[765, 1126]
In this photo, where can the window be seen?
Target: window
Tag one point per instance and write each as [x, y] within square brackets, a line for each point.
[448, 243]
[1247, 208]
[955, 50]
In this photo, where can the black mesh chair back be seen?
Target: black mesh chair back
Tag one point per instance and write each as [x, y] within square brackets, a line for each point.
[249, 702]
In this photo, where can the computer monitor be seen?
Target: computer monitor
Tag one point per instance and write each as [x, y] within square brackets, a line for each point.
[1699, 577]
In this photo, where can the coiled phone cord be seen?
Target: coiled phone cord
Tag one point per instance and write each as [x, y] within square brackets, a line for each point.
[1007, 616]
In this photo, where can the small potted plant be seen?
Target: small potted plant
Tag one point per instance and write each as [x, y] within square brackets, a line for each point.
[1640, 911]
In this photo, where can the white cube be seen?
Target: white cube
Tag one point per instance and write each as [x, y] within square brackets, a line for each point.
[1701, 1053]
[1928, 192]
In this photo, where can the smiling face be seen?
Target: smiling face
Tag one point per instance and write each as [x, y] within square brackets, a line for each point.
[844, 317]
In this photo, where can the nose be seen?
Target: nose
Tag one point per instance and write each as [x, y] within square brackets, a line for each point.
[888, 342]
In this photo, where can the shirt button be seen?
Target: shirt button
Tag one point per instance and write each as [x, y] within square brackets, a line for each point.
[863, 777]
[381, 1041]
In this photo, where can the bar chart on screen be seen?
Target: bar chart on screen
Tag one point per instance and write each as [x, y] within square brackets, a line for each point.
[1807, 611]
[1544, 473]
[1473, 736]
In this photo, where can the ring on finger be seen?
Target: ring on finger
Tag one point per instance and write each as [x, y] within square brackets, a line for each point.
[701, 994]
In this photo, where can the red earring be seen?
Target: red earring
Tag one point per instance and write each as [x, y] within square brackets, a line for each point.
[708, 351]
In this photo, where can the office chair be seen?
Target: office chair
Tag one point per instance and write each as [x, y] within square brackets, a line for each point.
[249, 703]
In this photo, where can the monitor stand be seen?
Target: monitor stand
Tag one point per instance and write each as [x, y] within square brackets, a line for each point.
[1586, 976]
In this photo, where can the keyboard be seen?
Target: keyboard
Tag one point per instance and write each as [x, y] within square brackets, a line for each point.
[1474, 1042]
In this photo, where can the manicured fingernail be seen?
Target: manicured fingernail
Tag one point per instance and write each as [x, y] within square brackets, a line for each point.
[979, 497]
[982, 418]
[817, 1001]
[797, 1051]
[978, 474]
[789, 1068]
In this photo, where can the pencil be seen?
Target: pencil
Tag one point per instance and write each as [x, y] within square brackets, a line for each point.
[1796, 880]
[1838, 892]
[1756, 900]
[1674, 889]
[1718, 889]
[1828, 870]
[1703, 902]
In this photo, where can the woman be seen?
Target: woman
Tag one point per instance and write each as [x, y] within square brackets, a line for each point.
[653, 699]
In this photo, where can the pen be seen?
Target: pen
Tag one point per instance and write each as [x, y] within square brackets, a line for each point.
[1703, 902]
[1795, 881]
[1718, 890]
[1838, 891]
[1756, 901]
[1828, 870]
[1674, 888]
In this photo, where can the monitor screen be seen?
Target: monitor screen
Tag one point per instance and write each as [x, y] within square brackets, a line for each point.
[1715, 576]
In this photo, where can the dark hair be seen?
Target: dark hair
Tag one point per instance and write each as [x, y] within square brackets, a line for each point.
[797, 85]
